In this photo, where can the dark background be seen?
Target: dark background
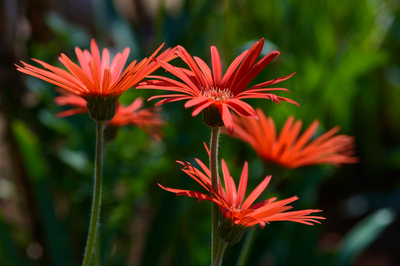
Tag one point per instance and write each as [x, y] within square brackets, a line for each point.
[346, 55]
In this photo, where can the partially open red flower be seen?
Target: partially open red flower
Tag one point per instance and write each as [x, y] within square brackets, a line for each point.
[291, 150]
[231, 200]
[206, 90]
[148, 119]
[96, 80]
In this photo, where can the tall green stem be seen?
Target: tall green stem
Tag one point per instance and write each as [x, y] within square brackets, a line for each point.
[96, 195]
[96, 254]
[220, 254]
[214, 181]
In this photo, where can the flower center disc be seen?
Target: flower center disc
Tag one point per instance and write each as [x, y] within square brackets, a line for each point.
[217, 94]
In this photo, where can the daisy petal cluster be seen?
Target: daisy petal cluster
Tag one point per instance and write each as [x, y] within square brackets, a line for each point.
[97, 79]
[215, 94]
[240, 213]
[149, 119]
[291, 149]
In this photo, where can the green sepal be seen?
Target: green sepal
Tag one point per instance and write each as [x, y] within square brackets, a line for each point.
[212, 116]
[230, 232]
[102, 108]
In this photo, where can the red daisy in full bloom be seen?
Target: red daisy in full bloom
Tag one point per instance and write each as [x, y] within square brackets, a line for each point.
[234, 208]
[291, 150]
[214, 93]
[148, 119]
[96, 79]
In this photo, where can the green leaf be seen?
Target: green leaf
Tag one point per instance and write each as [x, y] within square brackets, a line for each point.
[9, 254]
[363, 234]
[55, 236]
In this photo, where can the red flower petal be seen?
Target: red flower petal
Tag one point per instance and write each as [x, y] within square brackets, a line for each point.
[226, 117]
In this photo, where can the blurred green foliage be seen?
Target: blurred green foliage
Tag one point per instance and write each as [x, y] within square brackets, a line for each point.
[345, 55]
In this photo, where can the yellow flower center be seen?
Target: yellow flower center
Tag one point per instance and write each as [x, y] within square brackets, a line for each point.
[217, 94]
[236, 209]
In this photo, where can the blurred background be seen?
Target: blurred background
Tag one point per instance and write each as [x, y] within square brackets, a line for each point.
[346, 55]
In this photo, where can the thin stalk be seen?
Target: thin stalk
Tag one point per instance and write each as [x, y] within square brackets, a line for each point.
[220, 254]
[96, 195]
[214, 181]
[96, 256]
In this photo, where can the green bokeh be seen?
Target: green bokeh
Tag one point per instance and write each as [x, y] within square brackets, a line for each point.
[346, 58]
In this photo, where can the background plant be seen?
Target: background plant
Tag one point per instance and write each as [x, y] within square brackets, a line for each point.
[345, 54]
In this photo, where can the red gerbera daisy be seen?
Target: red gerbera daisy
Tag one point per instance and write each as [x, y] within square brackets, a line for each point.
[290, 149]
[214, 93]
[148, 119]
[97, 81]
[234, 208]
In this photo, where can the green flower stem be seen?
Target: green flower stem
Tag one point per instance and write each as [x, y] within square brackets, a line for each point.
[220, 254]
[96, 195]
[214, 181]
[96, 256]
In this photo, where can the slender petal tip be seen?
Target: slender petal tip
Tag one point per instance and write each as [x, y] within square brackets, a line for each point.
[205, 87]
[289, 148]
[239, 214]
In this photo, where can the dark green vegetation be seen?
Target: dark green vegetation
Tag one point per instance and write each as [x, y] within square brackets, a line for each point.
[346, 55]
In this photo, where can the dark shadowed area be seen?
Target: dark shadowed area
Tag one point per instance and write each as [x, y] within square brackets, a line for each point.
[346, 58]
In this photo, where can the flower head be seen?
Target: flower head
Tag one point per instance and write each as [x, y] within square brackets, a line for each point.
[216, 94]
[148, 119]
[236, 210]
[291, 150]
[97, 80]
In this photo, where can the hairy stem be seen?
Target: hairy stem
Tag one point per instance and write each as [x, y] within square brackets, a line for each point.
[96, 195]
[214, 181]
[220, 254]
